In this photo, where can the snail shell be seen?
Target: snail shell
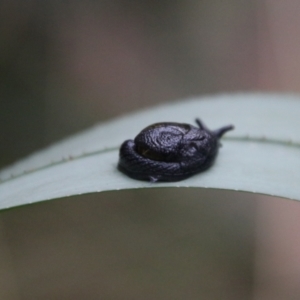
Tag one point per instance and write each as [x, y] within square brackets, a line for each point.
[170, 151]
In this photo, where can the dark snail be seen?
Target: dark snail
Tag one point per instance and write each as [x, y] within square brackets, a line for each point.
[170, 151]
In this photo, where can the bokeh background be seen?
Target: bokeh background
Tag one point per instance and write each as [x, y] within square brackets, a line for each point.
[66, 65]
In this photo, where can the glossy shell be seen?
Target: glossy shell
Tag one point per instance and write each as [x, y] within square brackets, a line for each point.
[170, 151]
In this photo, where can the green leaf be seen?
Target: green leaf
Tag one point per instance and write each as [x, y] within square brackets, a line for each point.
[262, 154]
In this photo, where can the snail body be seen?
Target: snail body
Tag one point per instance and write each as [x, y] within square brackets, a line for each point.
[170, 151]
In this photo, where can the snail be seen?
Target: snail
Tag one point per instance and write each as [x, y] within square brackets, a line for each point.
[170, 151]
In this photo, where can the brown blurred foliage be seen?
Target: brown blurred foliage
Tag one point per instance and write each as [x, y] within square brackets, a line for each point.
[65, 65]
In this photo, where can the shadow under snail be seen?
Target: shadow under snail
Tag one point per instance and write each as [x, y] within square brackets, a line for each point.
[170, 151]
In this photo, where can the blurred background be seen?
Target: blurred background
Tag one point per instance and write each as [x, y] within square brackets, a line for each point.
[66, 65]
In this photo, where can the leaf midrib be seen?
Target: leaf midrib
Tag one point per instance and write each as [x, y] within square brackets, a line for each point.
[245, 138]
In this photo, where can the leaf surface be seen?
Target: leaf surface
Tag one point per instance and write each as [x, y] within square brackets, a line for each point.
[262, 154]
